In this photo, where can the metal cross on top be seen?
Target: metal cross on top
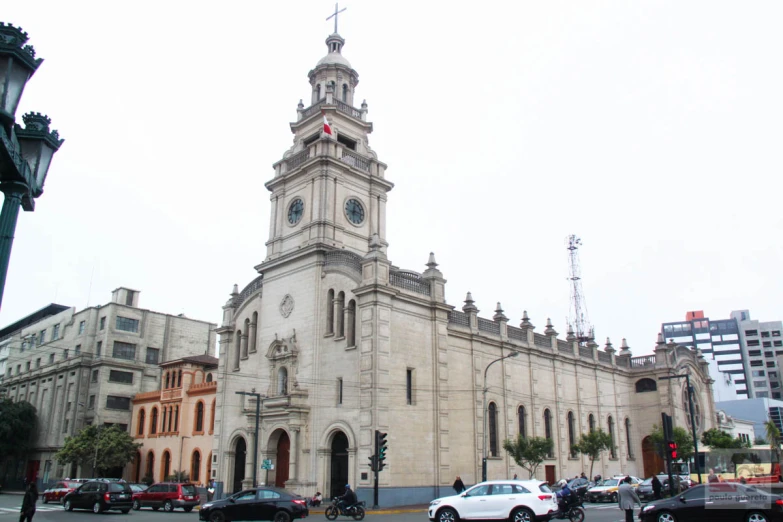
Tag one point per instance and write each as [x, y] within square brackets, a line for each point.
[334, 15]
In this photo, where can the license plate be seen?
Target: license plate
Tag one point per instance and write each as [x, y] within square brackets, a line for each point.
[188, 498]
[123, 496]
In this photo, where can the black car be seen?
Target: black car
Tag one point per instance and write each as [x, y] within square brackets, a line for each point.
[100, 496]
[645, 490]
[275, 504]
[579, 486]
[722, 501]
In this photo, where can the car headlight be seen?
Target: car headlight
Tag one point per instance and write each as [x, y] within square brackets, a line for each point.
[435, 502]
[207, 505]
[648, 507]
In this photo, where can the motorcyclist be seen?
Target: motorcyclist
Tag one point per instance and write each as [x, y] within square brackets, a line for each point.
[347, 499]
[563, 495]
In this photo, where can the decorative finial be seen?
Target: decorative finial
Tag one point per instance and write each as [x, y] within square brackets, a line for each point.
[660, 339]
[364, 104]
[235, 291]
[624, 348]
[570, 337]
[431, 262]
[549, 330]
[608, 347]
[300, 105]
[526, 324]
[499, 314]
[469, 304]
[671, 344]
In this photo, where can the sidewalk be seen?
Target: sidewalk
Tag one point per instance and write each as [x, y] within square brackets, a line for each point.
[417, 508]
[11, 492]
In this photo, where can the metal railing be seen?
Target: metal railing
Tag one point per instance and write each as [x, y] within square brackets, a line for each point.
[460, 318]
[488, 326]
[254, 285]
[344, 258]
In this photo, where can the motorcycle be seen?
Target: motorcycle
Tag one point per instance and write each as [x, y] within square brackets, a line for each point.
[574, 510]
[356, 511]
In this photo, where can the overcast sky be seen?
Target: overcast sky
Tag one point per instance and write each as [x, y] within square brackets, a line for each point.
[652, 130]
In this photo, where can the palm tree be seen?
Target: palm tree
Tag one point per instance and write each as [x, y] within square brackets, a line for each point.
[773, 437]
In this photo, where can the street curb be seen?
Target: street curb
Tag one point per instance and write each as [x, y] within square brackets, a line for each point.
[390, 511]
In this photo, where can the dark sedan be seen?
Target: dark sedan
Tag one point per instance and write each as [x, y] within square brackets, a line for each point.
[719, 502]
[100, 496]
[275, 504]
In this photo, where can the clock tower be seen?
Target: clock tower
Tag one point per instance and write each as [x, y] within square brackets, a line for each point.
[329, 191]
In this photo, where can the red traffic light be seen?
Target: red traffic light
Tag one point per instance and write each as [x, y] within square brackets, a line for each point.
[672, 449]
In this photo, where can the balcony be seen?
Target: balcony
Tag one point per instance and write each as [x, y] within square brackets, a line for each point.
[202, 388]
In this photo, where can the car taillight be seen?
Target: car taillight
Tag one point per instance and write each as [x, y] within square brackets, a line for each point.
[106, 497]
[544, 497]
[300, 502]
[779, 502]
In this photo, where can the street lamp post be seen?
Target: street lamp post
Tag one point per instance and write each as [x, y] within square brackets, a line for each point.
[25, 153]
[484, 413]
[181, 440]
[255, 439]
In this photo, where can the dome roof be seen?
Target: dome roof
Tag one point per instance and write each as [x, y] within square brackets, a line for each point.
[334, 59]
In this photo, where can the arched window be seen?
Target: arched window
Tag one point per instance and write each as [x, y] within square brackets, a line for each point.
[330, 312]
[351, 326]
[167, 381]
[282, 381]
[492, 418]
[179, 380]
[141, 421]
[646, 385]
[548, 428]
[628, 437]
[612, 449]
[521, 421]
[195, 466]
[150, 465]
[163, 423]
[199, 416]
[237, 349]
[571, 434]
[591, 422]
[166, 465]
[176, 418]
[340, 316]
[212, 418]
[209, 377]
[154, 421]
[253, 332]
[345, 93]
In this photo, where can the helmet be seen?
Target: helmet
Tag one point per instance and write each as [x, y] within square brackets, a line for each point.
[347, 486]
[562, 483]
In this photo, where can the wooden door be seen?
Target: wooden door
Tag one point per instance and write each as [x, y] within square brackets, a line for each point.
[549, 472]
[281, 467]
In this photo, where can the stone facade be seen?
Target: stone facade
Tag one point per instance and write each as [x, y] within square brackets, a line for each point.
[175, 423]
[80, 368]
[340, 343]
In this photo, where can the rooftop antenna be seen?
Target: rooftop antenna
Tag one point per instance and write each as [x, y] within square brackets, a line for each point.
[578, 318]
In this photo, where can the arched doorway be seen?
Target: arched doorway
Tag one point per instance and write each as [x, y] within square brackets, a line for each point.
[137, 466]
[339, 464]
[653, 463]
[283, 458]
[240, 454]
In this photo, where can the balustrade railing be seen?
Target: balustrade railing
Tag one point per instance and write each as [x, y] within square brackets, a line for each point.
[643, 360]
[460, 318]
[516, 333]
[355, 160]
[344, 258]
[409, 281]
[314, 108]
[605, 357]
[297, 159]
[564, 346]
[541, 341]
[488, 326]
[347, 109]
[586, 352]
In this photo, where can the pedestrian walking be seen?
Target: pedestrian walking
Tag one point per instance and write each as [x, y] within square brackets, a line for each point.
[28, 503]
[657, 487]
[627, 499]
[458, 486]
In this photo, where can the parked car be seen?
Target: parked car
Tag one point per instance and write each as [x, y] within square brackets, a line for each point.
[514, 500]
[579, 486]
[607, 490]
[724, 501]
[267, 503]
[100, 496]
[59, 490]
[167, 495]
[645, 490]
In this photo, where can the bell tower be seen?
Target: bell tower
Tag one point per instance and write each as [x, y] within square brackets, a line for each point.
[329, 191]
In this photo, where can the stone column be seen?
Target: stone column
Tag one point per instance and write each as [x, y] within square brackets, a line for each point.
[349, 318]
[293, 454]
[338, 317]
[247, 482]
[252, 334]
[244, 345]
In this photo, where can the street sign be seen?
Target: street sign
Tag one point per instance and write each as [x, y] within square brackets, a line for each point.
[267, 464]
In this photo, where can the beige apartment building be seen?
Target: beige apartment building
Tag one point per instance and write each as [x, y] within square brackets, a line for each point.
[84, 367]
[340, 343]
[175, 423]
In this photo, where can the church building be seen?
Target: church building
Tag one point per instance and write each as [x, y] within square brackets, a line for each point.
[338, 342]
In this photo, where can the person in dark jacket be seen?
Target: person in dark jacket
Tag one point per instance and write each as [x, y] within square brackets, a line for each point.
[657, 486]
[458, 486]
[28, 503]
[348, 498]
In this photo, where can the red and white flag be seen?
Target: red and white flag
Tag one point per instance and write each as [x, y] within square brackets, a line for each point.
[327, 127]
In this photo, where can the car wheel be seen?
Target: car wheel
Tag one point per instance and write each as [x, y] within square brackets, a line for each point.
[97, 508]
[282, 516]
[665, 516]
[331, 513]
[447, 515]
[136, 505]
[188, 509]
[613, 498]
[522, 515]
[358, 513]
[125, 511]
[757, 516]
[217, 516]
[67, 506]
[168, 507]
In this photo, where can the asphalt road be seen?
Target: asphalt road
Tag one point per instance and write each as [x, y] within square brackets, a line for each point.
[9, 511]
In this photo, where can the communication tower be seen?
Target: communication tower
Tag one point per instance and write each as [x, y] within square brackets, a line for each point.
[578, 319]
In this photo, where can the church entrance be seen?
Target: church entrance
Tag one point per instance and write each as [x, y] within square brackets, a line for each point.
[549, 474]
[653, 463]
[240, 454]
[283, 456]
[339, 464]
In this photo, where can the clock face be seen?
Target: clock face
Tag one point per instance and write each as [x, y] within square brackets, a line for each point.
[295, 211]
[355, 211]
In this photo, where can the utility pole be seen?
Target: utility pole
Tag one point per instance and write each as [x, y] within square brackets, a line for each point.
[181, 440]
[255, 439]
[484, 414]
[687, 378]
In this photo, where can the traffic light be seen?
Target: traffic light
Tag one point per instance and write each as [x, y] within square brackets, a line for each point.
[671, 446]
[373, 462]
[381, 446]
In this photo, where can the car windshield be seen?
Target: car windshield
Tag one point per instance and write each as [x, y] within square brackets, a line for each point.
[610, 482]
[73, 485]
[646, 482]
[189, 490]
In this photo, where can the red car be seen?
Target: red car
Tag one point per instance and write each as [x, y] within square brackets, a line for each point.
[59, 490]
[167, 495]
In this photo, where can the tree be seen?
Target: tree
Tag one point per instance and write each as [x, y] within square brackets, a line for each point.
[759, 440]
[682, 437]
[773, 437]
[18, 421]
[529, 452]
[721, 442]
[592, 444]
[112, 446]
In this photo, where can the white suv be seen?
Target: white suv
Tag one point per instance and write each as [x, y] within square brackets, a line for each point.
[514, 500]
